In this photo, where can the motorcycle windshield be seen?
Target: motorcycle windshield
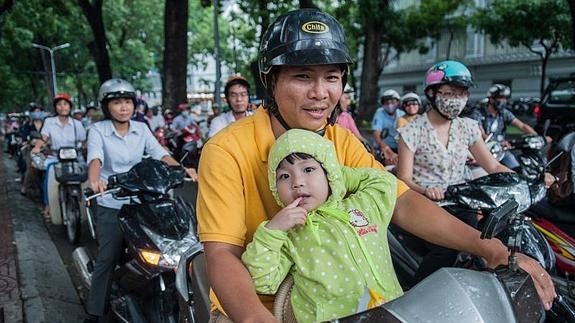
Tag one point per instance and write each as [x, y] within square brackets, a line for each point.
[165, 217]
[150, 176]
[491, 191]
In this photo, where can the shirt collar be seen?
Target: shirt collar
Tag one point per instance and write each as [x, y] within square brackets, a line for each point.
[110, 130]
[264, 134]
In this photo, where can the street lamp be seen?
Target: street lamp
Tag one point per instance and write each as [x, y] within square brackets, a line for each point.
[53, 66]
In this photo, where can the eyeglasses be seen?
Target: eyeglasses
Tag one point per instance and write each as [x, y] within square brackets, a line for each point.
[412, 103]
[235, 95]
[454, 94]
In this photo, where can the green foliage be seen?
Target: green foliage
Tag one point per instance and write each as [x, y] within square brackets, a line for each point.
[523, 22]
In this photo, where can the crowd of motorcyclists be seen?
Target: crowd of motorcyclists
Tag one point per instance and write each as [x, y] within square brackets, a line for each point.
[427, 144]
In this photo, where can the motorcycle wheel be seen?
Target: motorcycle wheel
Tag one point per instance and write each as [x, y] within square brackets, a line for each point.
[184, 314]
[162, 308]
[74, 220]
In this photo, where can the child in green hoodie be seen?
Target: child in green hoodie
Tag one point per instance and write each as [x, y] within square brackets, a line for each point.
[334, 246]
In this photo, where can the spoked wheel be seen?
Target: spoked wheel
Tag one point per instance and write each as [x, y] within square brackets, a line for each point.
[73, 219]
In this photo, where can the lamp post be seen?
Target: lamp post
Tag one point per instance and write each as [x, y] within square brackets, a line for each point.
[217, 85]
[53, 66]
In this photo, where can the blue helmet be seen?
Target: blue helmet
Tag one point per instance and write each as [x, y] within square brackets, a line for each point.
[448, 72]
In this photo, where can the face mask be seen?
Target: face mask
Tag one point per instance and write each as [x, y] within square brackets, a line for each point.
[185, 113]
[499, 105]
[390, 108]
[450, 108]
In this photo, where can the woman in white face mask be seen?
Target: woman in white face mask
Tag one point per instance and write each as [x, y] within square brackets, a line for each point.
[433, 148]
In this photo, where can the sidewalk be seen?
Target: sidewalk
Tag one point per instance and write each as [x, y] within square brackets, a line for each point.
[34, 283]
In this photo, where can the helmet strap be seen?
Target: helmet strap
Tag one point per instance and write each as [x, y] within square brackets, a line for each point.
[276, 112]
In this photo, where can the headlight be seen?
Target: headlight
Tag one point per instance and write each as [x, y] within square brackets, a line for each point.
[67, 153]
[171, 250]
[536, 142]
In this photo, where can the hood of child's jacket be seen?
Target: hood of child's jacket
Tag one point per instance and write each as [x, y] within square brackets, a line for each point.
[308, 142]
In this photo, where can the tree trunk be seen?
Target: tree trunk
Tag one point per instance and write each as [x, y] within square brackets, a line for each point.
[93, 13]
[370, 70]
[307, 4]
[5, 6]
[572, 11]
[448, 53]
[175, 53]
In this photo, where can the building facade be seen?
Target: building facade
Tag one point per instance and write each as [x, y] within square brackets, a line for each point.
[514, 66]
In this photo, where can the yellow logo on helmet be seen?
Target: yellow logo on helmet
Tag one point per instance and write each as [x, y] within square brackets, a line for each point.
[315, 27]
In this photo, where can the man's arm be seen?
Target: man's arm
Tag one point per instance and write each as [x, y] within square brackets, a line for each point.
[233, 285]
[426, 220]
[525, 128]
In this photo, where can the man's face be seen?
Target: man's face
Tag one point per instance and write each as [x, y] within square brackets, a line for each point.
[304, 178]
[238, 98]
[306, 95]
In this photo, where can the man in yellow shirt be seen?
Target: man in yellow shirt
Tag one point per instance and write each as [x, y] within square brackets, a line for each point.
[304, 63]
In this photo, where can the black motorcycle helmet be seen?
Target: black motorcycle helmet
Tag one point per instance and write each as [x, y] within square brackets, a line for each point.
[301, 38]
[115, 89]
[499, 91]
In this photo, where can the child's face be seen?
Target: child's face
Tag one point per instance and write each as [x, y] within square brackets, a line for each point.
[304, 178]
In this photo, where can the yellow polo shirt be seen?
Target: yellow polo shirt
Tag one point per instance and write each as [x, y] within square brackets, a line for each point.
[234, 195]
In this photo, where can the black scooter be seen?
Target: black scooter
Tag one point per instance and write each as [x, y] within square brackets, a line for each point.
[487, 194]
[70, 174]
[158, 230]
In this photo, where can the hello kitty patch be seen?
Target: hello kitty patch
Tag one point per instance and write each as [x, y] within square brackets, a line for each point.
[360, 222]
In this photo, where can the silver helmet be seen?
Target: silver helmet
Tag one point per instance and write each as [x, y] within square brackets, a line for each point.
[115, 89]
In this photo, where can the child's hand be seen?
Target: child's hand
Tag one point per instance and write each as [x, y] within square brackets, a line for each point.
[289, 217]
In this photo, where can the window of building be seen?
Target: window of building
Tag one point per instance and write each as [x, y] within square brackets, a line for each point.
[432, 53]
[409, 88]
[475, 43]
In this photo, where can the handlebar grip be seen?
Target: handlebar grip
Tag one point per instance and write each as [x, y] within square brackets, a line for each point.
[88, 191]
[448, 195]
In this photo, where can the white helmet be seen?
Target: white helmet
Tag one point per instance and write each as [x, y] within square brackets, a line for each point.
[408, 97]
[114, 89]
[389, 95]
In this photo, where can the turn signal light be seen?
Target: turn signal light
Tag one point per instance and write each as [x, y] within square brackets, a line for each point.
[150, 257]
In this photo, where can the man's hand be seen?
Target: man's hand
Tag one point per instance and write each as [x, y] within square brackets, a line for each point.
[541, 279]
[98, 185]
[549, 180]
[192, 173]
[290, 216]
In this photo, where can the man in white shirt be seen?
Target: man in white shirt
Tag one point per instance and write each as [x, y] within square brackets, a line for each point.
[237, 92]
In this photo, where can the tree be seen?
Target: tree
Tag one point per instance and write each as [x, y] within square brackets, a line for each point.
[175, 52]
[571, 4]
[93, 13]
[538, 25]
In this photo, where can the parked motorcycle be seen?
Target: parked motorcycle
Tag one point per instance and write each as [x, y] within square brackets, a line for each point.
[158, 230]
[70, 174]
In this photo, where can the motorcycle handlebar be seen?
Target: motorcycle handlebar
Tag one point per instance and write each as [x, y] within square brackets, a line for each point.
[90, 195]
